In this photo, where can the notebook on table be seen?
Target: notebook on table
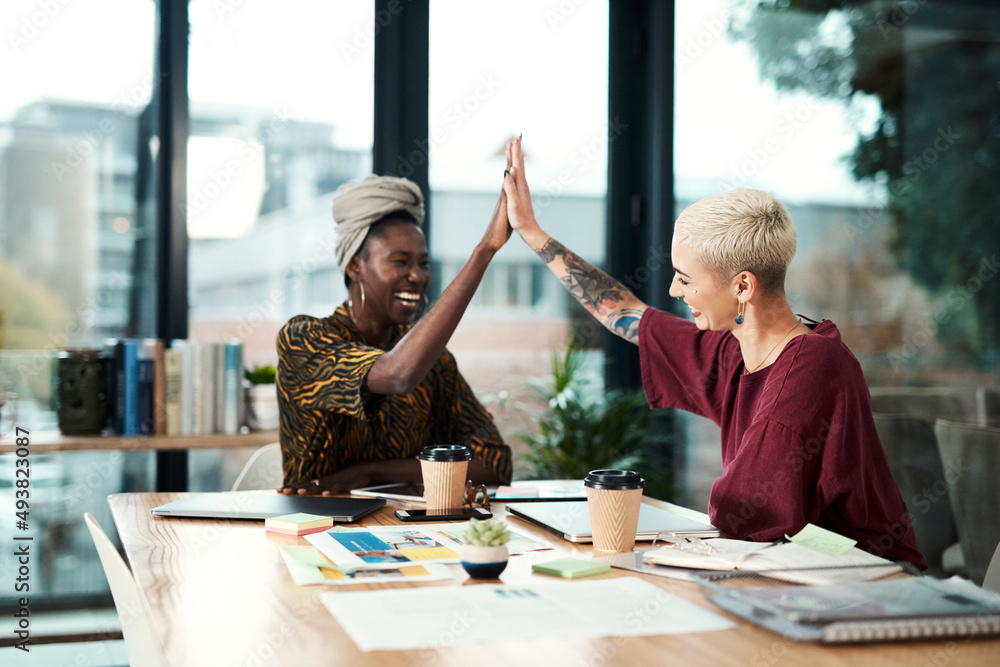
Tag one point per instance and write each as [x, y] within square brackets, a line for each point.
[897, 609]
[571, 521]
[229, 505]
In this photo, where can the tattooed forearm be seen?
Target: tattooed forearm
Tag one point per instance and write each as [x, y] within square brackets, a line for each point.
[594, 289]
[604, 297]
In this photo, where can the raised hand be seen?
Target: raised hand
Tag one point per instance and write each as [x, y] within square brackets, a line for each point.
[519, 211]
[499, 230]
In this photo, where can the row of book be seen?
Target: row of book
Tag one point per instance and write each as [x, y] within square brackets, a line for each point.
[188, 388]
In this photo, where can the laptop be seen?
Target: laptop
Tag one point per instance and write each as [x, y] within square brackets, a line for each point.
[229, 505]
[571, 521]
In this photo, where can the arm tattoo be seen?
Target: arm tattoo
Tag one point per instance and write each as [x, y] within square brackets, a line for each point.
[550, 250]
[596, 291]
[625, 323]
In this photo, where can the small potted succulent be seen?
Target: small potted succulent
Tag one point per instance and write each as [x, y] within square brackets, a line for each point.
[484, 548]
[262, 398]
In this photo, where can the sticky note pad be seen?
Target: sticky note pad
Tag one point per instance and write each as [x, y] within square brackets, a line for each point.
[822, 540]
[571, 568]
[299, 523]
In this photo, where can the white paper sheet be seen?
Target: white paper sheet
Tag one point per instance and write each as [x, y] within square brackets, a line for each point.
[429, 617]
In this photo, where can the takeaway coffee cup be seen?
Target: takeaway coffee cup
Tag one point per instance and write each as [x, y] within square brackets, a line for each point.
[444, 469]
[613, 500]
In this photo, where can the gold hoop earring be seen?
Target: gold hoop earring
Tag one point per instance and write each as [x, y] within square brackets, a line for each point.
[741, 308]
[362, 285]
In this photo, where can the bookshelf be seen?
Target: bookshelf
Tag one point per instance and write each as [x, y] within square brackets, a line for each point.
[54, 441]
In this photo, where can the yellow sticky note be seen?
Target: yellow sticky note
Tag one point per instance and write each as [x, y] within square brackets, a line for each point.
[822, 540]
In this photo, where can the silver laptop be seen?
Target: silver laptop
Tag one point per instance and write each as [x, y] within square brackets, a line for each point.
[229, 505]
[571, 521]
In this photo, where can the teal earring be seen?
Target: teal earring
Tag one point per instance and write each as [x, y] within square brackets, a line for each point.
[741, 308]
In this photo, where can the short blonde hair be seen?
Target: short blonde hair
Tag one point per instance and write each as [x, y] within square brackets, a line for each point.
[740, 230]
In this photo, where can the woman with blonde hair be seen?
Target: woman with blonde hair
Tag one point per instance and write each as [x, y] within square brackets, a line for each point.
[799, 444]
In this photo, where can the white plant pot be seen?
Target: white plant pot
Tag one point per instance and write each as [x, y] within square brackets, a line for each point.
[483, 562]
[264, 403]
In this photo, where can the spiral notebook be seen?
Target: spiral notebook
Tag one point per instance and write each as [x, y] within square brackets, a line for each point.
[897, 609]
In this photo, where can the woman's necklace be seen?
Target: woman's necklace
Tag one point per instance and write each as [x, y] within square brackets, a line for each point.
[797, 323]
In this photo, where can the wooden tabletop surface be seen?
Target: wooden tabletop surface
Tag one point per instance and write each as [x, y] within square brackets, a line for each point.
[220, 594]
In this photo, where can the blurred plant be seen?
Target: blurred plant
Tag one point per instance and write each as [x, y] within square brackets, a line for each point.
[261, 374]
[488, 533]
[578, 435]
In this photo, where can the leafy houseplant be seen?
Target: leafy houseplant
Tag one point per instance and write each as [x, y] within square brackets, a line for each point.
[484, 548]
[579, 434]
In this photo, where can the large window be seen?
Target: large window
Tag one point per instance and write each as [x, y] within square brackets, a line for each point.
[552, 88]
[281, 115]
[76, 257]
[877, 123]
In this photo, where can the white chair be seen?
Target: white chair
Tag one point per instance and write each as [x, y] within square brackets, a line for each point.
[140, 639]
[262, 471]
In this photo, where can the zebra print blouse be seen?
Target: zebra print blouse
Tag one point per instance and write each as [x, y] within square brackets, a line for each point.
[327, 424]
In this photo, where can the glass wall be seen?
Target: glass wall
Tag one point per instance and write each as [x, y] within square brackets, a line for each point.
[76, 259]
[281, 115]
[877, 124]
[552, 88]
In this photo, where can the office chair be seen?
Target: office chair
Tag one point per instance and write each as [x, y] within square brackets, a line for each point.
[912, 450]
[262, 471]
[140, 639]
[971, 458]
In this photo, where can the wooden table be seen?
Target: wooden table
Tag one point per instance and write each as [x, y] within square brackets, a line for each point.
[220, 594]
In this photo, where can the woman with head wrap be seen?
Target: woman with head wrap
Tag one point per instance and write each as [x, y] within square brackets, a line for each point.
[362, 391]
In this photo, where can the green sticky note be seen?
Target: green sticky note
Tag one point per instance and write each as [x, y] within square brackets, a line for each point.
[571, 568]
[822, 540]
[309, 556]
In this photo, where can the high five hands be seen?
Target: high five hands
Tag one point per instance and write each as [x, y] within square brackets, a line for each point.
[515, 185]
